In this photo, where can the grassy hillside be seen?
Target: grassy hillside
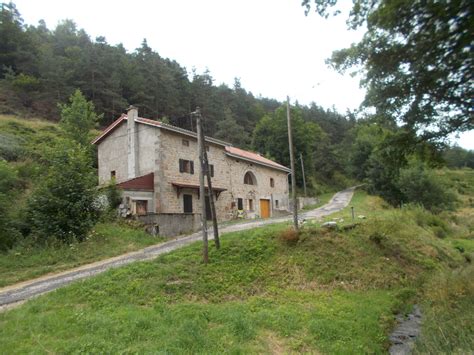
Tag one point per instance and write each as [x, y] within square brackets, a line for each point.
[27, 260]
[21, 144]
[330, 292]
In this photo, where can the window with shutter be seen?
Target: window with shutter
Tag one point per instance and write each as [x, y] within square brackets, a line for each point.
[186, 166]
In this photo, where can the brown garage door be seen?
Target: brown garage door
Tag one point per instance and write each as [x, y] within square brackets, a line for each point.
[265, 208]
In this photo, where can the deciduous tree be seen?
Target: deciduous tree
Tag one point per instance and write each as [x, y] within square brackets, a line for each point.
[416, 57]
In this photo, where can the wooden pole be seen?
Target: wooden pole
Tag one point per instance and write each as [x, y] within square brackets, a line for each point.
[202, 191]
[210, 194]
[292, 160]
[302, 170]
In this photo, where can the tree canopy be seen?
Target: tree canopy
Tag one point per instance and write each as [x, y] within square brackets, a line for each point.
[417, 61]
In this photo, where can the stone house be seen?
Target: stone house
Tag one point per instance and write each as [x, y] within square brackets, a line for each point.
[157, 166]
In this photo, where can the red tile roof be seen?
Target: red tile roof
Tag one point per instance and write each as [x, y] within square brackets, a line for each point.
[143, 183]
[255, 157]
[110, 128]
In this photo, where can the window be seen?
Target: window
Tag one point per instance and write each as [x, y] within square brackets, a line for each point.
[186, 166]
[188, 203]
[207, 148]
[249, 178]
[250, 204]
[276, 203]
[240, 204]
[141, 207]
[112, 175]
[211, 170]
[272, 182]
[185, 142]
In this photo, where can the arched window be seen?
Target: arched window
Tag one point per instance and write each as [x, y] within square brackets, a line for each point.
[249, 179]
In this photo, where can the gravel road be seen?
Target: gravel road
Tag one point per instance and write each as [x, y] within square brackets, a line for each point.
[15, 295]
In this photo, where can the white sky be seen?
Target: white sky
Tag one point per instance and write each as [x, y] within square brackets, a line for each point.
[270, 45]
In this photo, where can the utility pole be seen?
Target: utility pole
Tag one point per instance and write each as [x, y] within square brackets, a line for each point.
[302, 170]
[202, 193]
[209, 188]
[292, 160]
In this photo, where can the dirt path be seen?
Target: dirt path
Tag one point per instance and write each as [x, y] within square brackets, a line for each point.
[14, 295]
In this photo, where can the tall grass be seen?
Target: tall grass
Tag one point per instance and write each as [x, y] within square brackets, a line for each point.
[448, 326]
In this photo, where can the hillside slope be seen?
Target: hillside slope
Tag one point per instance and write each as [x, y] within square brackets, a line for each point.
[330, 292]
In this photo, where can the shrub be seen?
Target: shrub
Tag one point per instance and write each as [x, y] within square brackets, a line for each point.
[114, 195]
[10, 147]
[419, 184]
[62, 206]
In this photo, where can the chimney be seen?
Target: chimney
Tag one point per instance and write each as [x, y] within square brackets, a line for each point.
[132, 145]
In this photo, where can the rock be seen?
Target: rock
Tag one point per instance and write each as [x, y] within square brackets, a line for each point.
[330, 225]
[361, 216]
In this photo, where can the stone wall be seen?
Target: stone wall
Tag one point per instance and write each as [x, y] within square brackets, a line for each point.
[160, 151]
[173, 149]
[228, 174]
[129, 197]
[172, 224]
[306, 201]
[112, 155]
[262, 190]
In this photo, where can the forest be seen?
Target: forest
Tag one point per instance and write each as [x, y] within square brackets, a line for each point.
[273, 289]
[49, 74]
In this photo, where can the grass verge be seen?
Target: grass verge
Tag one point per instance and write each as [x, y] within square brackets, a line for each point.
[27, 260]
[332, 291]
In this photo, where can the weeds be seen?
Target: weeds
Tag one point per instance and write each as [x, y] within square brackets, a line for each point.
[448, 325]
[289, 236]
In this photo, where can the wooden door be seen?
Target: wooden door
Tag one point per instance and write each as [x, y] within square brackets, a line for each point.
[265, 208]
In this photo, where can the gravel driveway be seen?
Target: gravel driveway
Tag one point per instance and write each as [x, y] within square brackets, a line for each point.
[14, 295]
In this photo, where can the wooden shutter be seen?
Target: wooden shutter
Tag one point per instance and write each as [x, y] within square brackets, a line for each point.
[181, 165]
[211, 168]
[191, 164]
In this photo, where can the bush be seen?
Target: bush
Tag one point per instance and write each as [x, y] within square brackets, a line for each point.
[8, 183]
[10, 147]
[62, 206]
[419, 184]
[114, 195]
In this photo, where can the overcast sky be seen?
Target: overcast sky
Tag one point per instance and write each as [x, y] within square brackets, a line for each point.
[270, 45]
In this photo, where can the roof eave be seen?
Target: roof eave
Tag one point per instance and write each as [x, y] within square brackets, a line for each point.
[184, 132]
[282, 168]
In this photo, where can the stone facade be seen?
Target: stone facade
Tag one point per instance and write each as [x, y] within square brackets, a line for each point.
[158, 148]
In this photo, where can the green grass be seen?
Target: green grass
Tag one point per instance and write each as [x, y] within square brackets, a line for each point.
[27, 261]
[448, 326]
[323, 199]
[331, 292]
